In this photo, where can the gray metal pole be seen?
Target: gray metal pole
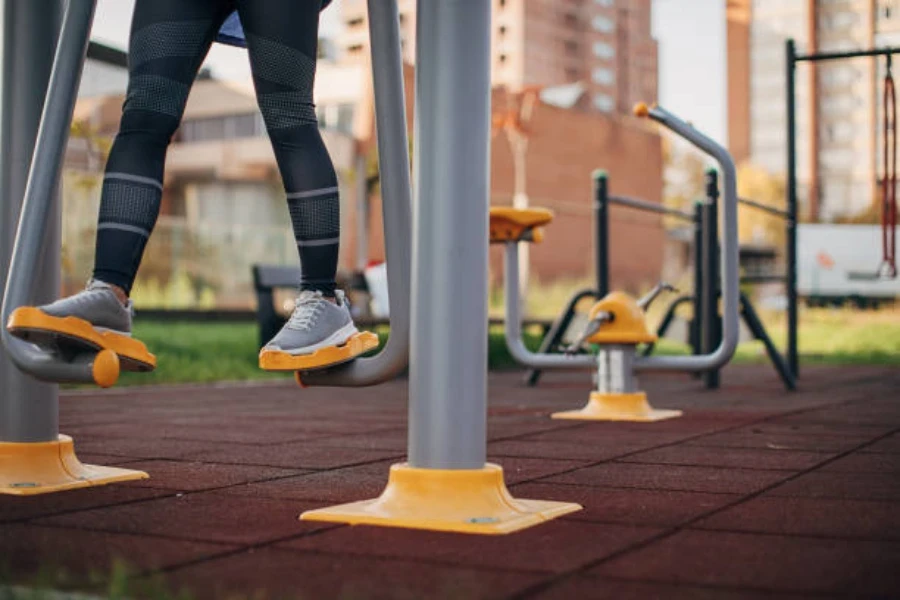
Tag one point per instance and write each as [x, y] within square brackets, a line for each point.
[35, 241]
[28, 408]
[448, 356]
[393, 162]
[362, 215]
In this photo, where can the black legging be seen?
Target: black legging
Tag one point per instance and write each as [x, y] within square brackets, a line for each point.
[169, 41]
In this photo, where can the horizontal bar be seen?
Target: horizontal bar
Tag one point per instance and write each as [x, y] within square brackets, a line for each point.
[764, 278]
[765, 208]
[849, 54]
[650, 207]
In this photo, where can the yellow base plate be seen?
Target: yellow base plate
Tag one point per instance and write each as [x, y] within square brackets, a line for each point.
[33, 325]
[462, 501]
[360, 343]
[618, 407]
[27, 469]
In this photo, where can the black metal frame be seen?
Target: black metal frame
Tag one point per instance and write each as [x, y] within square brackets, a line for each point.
[792, 58]
[705, 332]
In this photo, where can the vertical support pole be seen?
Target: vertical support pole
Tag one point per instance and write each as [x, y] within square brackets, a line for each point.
[448, 358]
[712, 324]
[601, 232]
[697, 316]
[29, 410]
[791, 254]
[362, 215]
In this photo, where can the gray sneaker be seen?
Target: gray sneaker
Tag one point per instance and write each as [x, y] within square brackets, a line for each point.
[316, 323]
[98, 305]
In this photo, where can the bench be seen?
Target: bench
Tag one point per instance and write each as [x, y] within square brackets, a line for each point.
[268, 278]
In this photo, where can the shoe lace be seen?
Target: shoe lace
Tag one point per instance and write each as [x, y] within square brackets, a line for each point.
[308, 306]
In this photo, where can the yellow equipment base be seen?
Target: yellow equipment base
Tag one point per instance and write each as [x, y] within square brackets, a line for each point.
[28, 469]
[462, 501]
[618, 407]
[33, 325]
[276, 360]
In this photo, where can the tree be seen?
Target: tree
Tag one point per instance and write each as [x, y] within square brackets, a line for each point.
[755, 226]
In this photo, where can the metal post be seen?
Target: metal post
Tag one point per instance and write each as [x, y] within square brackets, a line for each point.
[697, 316]
[711, 322]
[362, 215]
[28, 409]
[601, 232]
[448, 356]
[791, 223]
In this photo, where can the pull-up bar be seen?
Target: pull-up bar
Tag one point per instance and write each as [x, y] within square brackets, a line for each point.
[815, 57]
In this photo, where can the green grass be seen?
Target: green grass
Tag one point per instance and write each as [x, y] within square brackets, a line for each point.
[209, 352]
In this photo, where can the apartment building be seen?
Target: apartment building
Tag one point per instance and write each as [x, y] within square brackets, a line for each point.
[839, 111]
[604, 44]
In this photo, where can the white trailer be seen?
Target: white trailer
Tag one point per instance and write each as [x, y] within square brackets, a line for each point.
[837, 263]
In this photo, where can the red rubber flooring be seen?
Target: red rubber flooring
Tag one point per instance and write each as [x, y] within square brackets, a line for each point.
[754, 493]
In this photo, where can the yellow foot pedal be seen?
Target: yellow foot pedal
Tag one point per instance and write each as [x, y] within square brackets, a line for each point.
[277, 360]
[618, 407]
[71, 335]
[463, 501]
[28, 469]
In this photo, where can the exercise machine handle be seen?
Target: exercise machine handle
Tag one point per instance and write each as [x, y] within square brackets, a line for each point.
[730, 274]
[40, 192]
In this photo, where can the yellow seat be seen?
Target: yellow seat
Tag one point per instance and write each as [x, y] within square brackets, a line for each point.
[510, 224]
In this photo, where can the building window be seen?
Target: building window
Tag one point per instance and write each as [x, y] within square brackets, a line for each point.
[603, 50]
[571, 74]
[604, 2]
[502, 30]
[603, 76]
[604, 103]
[502, 59]
[571, 47]
[603, 24]
[355, 22]
[354, 48]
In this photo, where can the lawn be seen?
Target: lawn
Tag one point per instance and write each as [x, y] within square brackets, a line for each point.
[207, 352]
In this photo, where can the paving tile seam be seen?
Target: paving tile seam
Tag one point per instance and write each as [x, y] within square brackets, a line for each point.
[437, 562]
[723, 588]
[634, 452]
[810, 536]
[31, 519]
[704, 466]
[685, 526]
[311, 469]
[129, 390]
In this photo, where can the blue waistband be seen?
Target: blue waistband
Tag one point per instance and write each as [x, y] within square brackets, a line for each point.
[232, 33]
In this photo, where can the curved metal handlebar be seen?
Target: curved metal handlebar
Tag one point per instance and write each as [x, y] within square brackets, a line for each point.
[730, 275]
[42, 183]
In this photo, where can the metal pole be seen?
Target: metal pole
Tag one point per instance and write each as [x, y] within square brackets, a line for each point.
[29, 409]
[711, 324]
[698, 320]
[601, 232]
[362, 215]
[448, 354]
[393, 165]
[791, 225]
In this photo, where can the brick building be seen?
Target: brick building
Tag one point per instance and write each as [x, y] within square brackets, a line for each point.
[565, 148]
[606, 45]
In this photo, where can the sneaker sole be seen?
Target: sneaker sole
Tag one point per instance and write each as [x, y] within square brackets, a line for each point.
[355, 345]
[71, 335]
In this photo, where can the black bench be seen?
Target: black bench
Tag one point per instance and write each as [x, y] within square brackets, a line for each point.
[268, 278]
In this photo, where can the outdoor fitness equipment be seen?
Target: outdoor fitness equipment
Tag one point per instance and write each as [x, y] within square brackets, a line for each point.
[446, 483]
[34, 458]
[618, 322]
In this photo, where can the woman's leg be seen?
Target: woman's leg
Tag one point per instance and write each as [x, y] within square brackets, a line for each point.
[169, 41]
[282, 39]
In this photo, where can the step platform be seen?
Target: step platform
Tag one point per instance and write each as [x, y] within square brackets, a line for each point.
[70, 336]
[358, 344]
